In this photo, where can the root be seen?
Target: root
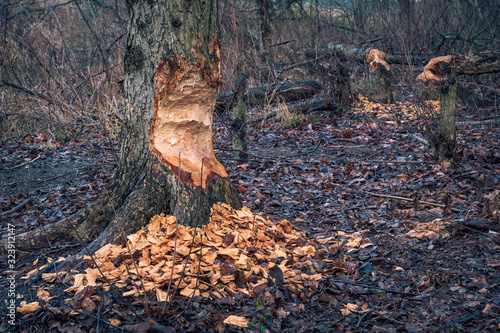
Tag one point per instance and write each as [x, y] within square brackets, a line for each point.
[135, 212]
[88, 222]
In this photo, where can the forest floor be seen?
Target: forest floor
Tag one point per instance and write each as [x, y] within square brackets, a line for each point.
[430, 263]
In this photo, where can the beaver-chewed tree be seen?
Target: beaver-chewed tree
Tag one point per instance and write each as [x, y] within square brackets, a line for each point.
[167, 164]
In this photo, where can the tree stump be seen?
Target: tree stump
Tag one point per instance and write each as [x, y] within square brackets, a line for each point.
[379, 81]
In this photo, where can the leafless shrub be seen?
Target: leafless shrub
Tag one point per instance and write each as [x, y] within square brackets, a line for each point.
[61, 63]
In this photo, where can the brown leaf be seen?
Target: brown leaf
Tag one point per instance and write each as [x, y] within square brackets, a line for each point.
[236, 321]
[27, 308]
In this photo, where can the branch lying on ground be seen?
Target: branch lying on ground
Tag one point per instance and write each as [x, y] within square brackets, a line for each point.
[18, 207]
[411, 200]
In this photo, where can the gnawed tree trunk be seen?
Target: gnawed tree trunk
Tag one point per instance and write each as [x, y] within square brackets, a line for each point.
[172, 76]
[380, 87]
[444, 70]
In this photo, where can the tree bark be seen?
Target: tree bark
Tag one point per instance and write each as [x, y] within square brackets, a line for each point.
[266, 40]
[239, 127]
[438, 68]
[167, 162]
[445, 140]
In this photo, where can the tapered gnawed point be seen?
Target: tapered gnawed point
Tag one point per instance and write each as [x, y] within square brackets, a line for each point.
[183, 115]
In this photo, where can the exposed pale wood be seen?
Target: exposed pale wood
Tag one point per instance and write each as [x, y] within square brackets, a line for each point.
[376, 59]
[172, 72]
[444, 70]
[438, 68]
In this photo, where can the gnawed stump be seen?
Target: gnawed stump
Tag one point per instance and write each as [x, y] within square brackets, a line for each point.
[380, 87]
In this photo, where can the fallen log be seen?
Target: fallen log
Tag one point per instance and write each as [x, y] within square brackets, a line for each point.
[304, 107]
[358, 54]
[287, 92]
[350, 53]
[438, 68]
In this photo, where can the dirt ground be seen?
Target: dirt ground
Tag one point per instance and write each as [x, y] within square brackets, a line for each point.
[430, 263]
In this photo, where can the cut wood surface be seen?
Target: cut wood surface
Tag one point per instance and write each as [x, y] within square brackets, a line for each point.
[376, 59]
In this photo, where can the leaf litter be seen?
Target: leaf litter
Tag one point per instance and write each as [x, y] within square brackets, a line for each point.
[236, 252]
[382, 264]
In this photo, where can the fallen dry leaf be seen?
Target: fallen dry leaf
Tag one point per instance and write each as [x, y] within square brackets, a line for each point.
[26, 308]
[236, 321]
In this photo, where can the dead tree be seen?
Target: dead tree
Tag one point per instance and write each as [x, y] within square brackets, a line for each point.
[167, 162]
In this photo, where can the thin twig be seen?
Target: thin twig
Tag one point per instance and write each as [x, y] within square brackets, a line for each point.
[72, 259]
[124, 235]
[308, 152]
[28, 91]
[411, 200]
[18, 207]
[277, 157]
[28, 162]
[478, 122]
[366, 314]
[397, 162]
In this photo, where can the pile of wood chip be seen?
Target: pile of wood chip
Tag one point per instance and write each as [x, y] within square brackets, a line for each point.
[236, 252]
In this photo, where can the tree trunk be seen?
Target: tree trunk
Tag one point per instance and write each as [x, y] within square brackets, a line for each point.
[445, 140]
[239, 127]
[444, 70]
[266, 40]
[167, 163]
